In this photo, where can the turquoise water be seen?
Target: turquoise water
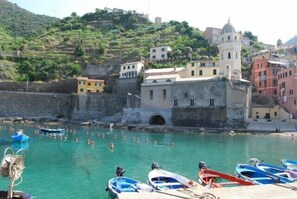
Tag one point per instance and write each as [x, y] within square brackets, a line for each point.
[64, 169]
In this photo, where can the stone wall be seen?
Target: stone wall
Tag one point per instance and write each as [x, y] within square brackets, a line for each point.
[99, 106]
[126, 85]
[199, 117]
[21, 104]
[63, 86]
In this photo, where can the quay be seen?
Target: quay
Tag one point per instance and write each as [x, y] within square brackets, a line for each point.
[271, 191]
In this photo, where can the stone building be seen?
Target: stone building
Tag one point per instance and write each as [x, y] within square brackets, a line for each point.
[219, 101]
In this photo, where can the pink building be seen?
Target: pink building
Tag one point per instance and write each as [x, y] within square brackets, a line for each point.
[287, 89]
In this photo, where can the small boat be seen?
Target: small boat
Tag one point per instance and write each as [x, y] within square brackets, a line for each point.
[259, 176]
[53, 131]
[215, 179]
[12, 167]
[162, 180]
[19, 137]
[276, 170]
[120, 183]
[292, 164]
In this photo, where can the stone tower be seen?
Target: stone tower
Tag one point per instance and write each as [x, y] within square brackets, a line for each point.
[230, 53]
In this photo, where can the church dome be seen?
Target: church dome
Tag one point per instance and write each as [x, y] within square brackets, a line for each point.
[228, 28]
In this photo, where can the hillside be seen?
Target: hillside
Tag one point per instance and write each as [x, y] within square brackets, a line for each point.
[64, 47]
[20, 22]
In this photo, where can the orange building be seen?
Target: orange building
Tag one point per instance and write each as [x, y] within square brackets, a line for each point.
[85, 85]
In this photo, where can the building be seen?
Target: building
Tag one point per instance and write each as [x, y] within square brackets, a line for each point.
[169, 98]
[159, 53]
[158, 20]
[85, 85]
[181, 71]
[287, 89]
[211, 35]
[203, 68]
[131, 70]
[230, 53]
[264, 78]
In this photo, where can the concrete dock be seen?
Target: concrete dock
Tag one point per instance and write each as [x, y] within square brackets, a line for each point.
[271, 191]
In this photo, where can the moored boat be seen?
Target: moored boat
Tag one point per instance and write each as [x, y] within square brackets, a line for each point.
[276, 170]
[120, 184]
[19, 137]
[52, 130]
[161, 179]
[259, 176]
[215, 179]
[291, 164]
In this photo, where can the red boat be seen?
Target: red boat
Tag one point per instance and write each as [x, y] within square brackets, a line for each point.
[216, 179]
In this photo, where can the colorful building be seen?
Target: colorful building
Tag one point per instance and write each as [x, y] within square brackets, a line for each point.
[203, 68]
[85, 85]
[265, 69]
[287, 89]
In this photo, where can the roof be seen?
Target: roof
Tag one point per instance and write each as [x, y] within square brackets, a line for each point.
[228, 28]
[279, 62]
[163, 70]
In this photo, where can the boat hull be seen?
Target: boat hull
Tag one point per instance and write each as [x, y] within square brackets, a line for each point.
[20, 138]
[16, 195]
[53, 131]
[259, 176]
[216, 179]
[290, 163]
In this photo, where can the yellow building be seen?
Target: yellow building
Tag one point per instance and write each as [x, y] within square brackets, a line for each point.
[203, 68]
[85, 85]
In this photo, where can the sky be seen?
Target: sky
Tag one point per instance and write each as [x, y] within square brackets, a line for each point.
[269, 20]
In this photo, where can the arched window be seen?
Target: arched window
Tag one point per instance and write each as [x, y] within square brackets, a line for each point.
[235, 38]
[229, 55]
[229, 38]
[155, 81]
[168, 80]
[236, 55]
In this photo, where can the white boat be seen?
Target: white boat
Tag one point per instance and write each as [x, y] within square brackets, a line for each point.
[161, 179]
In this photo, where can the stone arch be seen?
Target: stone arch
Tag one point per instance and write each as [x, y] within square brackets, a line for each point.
[157, 120]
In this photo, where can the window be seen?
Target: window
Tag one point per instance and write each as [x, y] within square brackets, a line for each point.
[222, 56]
[133, 66]
[211, 102]
[164, 94]
[214, 71]
[193, 64]
[154, 50]
[291, 92]
[260, 84]
[155, 81]
[168, 80]
[192, 73]
[163, 56]
[200, 72]
[275, 82]
[265, 72]
[259, 74]
[235, 38]
[186, 94]
[236, 55]
[175, 102]
[192, 102]
[290, 73]
[151, 94]
[229, 38]
[163, 49]
[154, 57]
[229, 55]
[275, 114]
[89, 83]
[81, 90]
[128, 67]
[265, 83]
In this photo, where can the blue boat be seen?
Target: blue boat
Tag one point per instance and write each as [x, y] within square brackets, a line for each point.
[19, 137]
[276, 170]
[53, 131]
[120, 184]
[259, 176]
[291, 164]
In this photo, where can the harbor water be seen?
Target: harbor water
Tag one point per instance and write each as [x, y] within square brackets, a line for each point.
[59, 168]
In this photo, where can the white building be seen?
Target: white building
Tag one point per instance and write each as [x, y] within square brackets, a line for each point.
[131, 70]
[159, 53]
[230, 53]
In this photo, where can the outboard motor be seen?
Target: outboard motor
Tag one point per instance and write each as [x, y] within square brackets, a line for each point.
[202, 165]
[120, 171]
[155, 166]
